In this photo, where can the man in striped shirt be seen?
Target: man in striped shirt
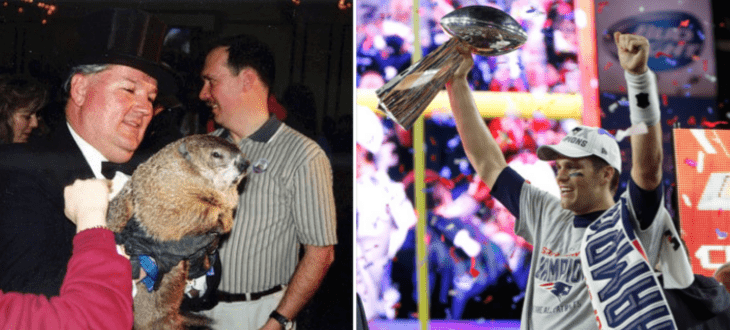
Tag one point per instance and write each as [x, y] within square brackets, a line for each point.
[286, 201]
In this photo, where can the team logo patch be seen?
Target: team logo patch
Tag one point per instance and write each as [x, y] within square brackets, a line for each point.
[559, 289]
[642, 100]
[578, 131]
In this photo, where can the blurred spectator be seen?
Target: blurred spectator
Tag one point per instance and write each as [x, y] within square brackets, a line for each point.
[468, 208]
[21, 98]
[301, 109]
[371, 80]
[545, 63]
[394, 57]
[384, 216]
[464, 265]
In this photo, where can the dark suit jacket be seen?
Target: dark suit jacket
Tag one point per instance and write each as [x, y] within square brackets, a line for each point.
[703, 305]
[35, 236]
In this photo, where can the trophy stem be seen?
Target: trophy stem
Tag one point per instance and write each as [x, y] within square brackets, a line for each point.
[405, 97]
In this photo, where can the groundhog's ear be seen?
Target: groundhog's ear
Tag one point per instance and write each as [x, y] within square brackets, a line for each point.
[183, 149]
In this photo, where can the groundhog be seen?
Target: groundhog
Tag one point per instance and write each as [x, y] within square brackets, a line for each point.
[173, 211]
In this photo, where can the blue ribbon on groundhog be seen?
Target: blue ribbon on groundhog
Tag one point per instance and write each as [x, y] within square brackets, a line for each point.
[167, 254]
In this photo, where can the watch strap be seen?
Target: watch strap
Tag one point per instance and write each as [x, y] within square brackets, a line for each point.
[285, 322]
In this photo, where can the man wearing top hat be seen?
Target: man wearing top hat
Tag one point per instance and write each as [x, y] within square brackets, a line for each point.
[109, 104]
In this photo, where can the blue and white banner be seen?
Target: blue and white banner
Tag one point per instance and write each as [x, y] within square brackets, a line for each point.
[625, 292]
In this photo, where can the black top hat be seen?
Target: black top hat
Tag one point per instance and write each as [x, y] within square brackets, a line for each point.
[128, 37]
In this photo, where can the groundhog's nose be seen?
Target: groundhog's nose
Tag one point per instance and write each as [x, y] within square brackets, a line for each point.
[243, 165]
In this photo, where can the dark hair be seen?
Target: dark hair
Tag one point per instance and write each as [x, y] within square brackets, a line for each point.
[245, 51]
[599, 163]
[18, 92]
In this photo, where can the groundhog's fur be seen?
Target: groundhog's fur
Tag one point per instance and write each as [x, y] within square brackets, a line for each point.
[188, 188]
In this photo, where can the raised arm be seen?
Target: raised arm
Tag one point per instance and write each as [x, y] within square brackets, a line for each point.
[482, 150]
[646, 149]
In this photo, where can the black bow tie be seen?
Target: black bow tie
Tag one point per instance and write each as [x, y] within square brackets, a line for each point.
[109, 169]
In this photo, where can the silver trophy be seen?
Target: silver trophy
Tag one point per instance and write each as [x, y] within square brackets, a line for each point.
[483, 30]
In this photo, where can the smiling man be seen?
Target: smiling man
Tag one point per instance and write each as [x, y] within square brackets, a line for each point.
[109, 105]
[601, 254]
[287, 202]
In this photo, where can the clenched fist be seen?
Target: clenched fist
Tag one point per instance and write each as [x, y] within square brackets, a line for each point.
[633, 52]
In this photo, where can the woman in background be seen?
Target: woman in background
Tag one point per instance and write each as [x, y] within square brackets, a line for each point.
[21, 98]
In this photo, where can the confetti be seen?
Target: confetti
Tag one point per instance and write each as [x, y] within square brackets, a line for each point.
[601, 5]
[684, 23]
[660, 54]
[675, 83]
[671, 122]
[710, 78]
[472, 270]
[534, 10]
[612, 107]
[686, 200]
[681, 43]
[704, 65]
[712, 124]
[633, 130]
[665, 100]
[692, 121]
[690, 162]
[720, 234]
[608, 65]
[700, 161]
[452, 253]
[622, 88]
[670, 61]
[610, 96]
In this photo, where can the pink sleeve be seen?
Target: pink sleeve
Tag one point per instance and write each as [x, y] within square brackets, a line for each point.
[96, 292]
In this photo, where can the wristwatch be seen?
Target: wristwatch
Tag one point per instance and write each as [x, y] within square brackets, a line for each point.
[285, 322]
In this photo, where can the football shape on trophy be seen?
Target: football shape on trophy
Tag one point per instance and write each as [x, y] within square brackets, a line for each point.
[484, 30]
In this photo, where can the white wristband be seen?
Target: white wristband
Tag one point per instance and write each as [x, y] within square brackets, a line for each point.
[643, 98]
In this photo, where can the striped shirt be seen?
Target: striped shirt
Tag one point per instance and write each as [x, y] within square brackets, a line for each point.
[286, 201]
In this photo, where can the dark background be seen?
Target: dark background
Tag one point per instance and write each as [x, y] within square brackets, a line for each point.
[722, 58]
[312, 42]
